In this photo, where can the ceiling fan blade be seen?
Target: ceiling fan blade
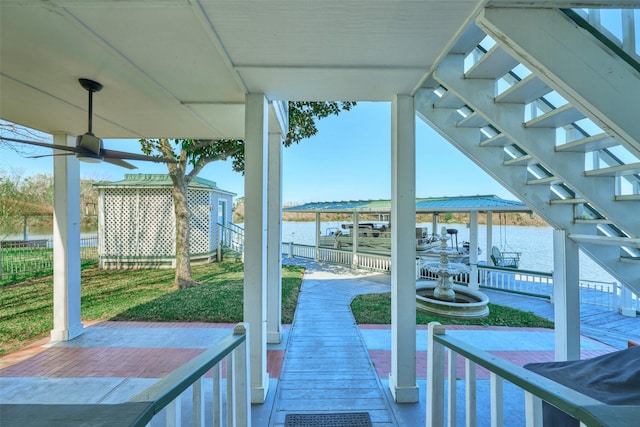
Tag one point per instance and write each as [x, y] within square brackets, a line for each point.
[120, 162]
[114, 154]
[43, 144]
[50, 155]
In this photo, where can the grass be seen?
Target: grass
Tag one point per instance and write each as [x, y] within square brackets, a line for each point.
[376, 309]
[20, 264]
[26, 309]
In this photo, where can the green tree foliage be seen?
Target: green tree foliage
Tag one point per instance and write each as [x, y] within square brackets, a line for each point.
[23, 197]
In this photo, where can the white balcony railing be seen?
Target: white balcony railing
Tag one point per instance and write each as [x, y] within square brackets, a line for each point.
[162, 402]
[441, 406]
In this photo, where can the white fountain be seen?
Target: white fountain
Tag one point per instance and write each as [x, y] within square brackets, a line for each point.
[443, 297]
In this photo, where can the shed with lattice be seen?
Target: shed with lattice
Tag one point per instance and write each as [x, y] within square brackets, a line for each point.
[136, 221]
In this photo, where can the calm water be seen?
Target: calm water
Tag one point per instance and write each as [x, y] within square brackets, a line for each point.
[535, 243]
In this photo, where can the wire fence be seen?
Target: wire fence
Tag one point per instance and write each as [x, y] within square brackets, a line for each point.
[20, 258]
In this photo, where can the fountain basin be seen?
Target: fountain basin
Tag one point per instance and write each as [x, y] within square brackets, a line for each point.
[468, 304]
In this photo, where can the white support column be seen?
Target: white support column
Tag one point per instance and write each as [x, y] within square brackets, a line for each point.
[354, 240]
[434, 224]
[67, 323]
[489, 237]
[402, 379]
[317, 236]
[274, 240]
[473, 250]
[255, 241]
[566, 297]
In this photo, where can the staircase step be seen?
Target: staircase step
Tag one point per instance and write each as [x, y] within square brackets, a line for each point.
[592, 143]
[594, 221]
[525, 91]
[627, 198]
[567, 201]
[448, 100]
[629, 242]
[499, 140]
[522, 160]
[620, 170]
[562, 116]
[548, 180]
[473, 120]
[492, 65]
[469, 40]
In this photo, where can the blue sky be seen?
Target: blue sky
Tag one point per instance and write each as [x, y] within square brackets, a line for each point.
[349, 159]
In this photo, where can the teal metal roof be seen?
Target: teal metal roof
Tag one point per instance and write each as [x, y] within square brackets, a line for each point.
[154, 180]
[430, 204]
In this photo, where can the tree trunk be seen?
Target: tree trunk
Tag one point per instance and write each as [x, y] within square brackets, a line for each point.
[183, 277]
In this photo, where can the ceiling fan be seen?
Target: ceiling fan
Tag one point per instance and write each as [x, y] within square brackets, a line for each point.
[88, 146]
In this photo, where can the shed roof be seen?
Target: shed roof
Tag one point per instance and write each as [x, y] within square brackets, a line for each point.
[152, 180]
[423, 205]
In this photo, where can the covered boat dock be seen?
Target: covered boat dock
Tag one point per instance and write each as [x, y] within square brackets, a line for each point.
[473, 205]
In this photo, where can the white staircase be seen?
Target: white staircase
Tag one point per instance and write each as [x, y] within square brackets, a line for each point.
[563, 136]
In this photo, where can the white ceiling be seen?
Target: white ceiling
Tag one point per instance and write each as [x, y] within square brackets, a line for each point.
[181, 68]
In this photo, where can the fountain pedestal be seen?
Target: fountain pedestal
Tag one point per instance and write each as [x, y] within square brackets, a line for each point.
[445, 270]
[444, 298]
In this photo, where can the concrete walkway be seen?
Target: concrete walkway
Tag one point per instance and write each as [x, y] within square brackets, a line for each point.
[326, 366]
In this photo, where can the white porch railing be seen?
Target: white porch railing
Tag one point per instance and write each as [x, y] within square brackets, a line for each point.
[162, 402]
[588, 411]
[167, 393]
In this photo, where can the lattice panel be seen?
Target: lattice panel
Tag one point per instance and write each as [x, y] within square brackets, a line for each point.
[157, 222]
[119, 222]
[199, 206]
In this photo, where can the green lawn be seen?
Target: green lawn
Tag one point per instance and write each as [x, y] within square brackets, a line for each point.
[26, 308]
[376, 309]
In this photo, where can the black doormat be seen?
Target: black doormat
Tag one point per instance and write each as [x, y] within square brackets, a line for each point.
[340, 419]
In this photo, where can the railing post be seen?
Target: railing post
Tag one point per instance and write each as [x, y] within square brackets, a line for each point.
[452, 390]
[435, 376]
[231, 391]
[290, 249]
[174, 413]
[198, 404]
[216, 399]
[470, 392]
[533, 410]
[626, 303]
[497, 401]
[241, 377]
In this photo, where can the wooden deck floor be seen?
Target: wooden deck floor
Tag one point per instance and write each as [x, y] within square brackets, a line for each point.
[604, 325]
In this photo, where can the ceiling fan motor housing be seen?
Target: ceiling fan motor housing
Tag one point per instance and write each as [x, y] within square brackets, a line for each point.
[92, 146]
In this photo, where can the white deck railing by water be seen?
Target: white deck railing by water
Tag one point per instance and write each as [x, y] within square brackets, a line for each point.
[365, 260]
[162, 402]
[534, 283]
[441, 406]
[610, 295]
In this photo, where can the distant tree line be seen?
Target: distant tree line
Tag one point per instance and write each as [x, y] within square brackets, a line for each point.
[30, 198]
